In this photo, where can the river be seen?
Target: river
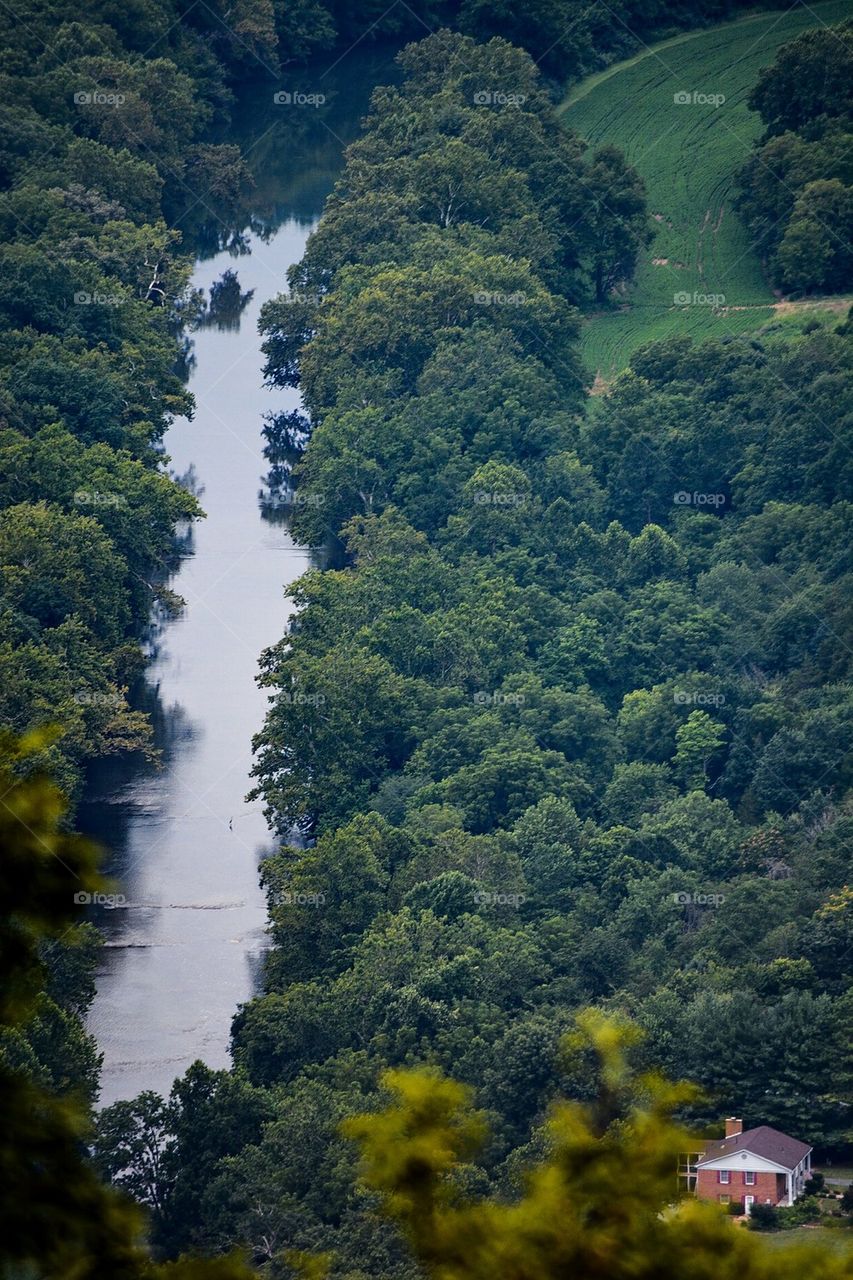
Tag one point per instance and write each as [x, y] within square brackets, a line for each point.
[182, 845]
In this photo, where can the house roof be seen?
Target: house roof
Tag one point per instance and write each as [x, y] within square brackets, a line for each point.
[763, 1141]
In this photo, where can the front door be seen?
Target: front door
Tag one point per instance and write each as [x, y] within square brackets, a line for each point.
[748, 1202]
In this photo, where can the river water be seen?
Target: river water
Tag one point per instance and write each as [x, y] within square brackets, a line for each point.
[182, 844]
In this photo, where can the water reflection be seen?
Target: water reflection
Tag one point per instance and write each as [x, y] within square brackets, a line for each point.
[293, 151]
[184, 844]
[285, 436]
[184, 950]
[226, 303]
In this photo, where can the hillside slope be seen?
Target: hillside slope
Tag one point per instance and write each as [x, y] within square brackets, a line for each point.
[699, 275]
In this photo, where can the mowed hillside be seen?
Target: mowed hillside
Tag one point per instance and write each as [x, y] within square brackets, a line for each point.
[699, 275]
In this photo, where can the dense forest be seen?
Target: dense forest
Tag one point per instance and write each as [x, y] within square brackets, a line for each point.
[565, 722]
[568, 723]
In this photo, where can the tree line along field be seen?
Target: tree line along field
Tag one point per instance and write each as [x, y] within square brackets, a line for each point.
[688, 154]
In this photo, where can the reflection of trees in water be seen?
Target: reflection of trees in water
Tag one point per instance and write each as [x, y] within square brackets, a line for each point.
[184, 539]
[172, 725]
[185, 360]
[227, 304]
[293, 152]
[168, 606]
[285, 436]
[185, 314]
[210, 238]
[119, 787]
[183, 544]
[189, 480]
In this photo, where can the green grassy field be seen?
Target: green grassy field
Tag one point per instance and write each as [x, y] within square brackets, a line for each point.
[687, 153]
[840, 1240]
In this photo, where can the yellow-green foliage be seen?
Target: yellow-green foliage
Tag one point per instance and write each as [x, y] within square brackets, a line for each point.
[600, 1206]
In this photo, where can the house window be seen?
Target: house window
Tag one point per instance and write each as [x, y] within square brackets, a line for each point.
[724, 1176]
[749, 1178]
[725, 1199]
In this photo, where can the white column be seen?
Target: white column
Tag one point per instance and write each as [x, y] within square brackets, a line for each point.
[789, 1181]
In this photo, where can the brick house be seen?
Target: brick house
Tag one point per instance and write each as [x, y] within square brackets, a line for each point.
[752, 1166]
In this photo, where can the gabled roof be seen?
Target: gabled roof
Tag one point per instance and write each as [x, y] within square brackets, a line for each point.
[768, 1143]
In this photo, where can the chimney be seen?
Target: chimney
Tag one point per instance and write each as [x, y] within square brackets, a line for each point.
[734, 1126]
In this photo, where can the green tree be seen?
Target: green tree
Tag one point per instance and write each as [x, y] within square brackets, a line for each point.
[322, 900]
[697, 742]
[616, 225]
[810, 78]
[814, 254]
